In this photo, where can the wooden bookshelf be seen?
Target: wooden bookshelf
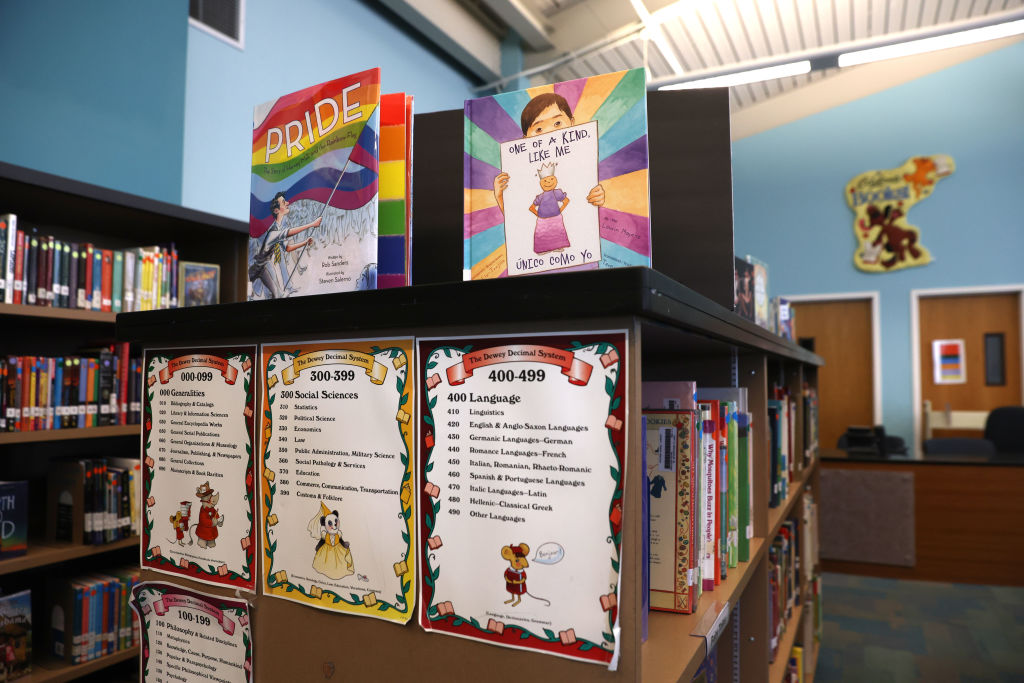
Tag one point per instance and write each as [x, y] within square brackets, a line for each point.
[52, 313]
[66, 434]
[777, 670]
[43, 554]
[810, 661]
[51, 670]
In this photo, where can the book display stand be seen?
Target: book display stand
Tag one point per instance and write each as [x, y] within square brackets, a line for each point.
[678, 325]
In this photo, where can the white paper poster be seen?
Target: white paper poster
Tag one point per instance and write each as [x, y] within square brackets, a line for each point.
[337, 485]
[521, 476]
[197, 450]
[549, 223]
[192, 636]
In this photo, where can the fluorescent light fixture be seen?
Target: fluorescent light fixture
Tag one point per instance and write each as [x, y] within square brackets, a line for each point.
[741, 77]
[914, 47]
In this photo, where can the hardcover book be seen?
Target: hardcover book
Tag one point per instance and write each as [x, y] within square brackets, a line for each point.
[556, 178]
[394, 242]
[13, 519]
[761, 316]
[16, 635]
[671, 438]
[314, 198]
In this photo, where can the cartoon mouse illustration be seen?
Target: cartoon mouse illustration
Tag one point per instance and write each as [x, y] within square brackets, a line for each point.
[515, 576]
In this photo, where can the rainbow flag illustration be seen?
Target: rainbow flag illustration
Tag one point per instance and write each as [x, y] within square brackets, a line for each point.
[313, 202]
[556, 178]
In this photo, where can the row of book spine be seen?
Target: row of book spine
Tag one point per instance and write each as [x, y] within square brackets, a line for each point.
[106, 500]
[713, 454]
[786, 464]
[64, 392]
[40, 270]
[792, 560]
[91, 616]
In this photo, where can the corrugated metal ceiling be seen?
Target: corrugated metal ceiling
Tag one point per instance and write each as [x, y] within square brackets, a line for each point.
[709, 34]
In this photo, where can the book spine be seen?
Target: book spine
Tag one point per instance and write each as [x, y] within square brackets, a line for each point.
[5, 229]
[65, 283]
[83, 285]
[56, 257]
[107, 281]
[97, 279]
[83, 373]
[31, 263]
[3, 395]
[106, 387]
[117, 304]
[19, 268]
[129, 281]
[10, 262]
[45, 281]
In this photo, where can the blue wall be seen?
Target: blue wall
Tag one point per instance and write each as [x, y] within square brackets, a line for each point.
[289, 47]
[790, 210]
[94, 91]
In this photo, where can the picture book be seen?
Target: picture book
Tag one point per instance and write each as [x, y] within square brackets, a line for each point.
[671, 438]
[198, 283]
[556, 178]
[744, 289]
[314, 195]
[13, 519]
[395, 220]
[15, 635]
[761, 316]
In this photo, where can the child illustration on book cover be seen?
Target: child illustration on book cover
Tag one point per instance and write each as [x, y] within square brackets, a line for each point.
[274, 243]
[595, 130]
[331, 557]
[550, 134]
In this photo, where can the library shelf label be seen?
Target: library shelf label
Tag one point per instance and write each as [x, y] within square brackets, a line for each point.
[197, 452]
[712, 625]
[192, 636]
[521, 470]
[337, 476]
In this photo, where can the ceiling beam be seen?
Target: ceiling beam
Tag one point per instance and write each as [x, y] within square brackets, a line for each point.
[453, 29]
[531, 30]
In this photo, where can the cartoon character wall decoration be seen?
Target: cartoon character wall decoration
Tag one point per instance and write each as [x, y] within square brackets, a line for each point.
[881, 200]
[209, 520]
[515, 575]
[331, 556]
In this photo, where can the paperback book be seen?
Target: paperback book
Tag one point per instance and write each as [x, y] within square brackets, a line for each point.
[556, 178]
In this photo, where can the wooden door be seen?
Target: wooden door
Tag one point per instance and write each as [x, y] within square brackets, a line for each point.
[971, 317]
[842, 335]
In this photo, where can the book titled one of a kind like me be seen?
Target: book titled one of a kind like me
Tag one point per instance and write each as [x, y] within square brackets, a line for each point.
[556, 178]
[328, 209]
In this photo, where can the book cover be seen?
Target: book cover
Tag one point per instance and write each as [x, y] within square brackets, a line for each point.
[556, 178]
[13, 519]
[395, 190]
[313, 202]
[671, 478]
[198, 283]
[16, 635]
[744, 289]
[761, 316]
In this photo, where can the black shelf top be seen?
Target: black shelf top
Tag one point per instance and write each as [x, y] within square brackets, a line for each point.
[640, 292]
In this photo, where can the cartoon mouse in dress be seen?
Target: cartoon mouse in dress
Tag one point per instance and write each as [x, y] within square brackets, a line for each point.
[515, 576]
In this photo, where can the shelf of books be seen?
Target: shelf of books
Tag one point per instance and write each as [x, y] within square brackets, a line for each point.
[71, 260]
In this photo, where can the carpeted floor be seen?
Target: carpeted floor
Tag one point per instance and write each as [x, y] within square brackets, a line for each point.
[891, 631]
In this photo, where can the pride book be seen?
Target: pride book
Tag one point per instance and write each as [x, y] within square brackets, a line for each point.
[556, 178]
[313, 207]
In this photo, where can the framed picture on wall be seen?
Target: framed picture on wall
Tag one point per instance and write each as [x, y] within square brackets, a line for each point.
[198, 283]
[949, 365]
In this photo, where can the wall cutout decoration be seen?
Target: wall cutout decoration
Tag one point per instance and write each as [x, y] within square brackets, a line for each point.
[880, 201]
